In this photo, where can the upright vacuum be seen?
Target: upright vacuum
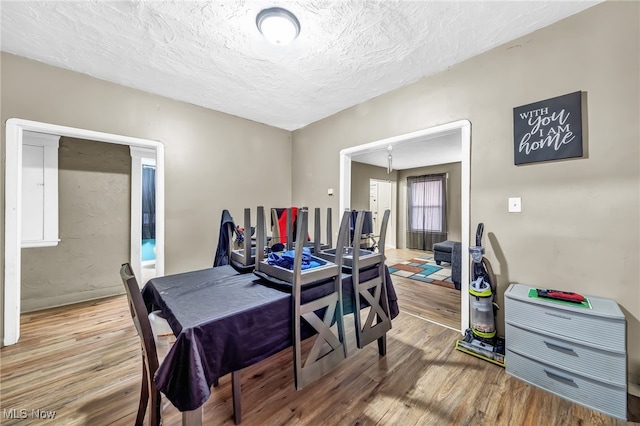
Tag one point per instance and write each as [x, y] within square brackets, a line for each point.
[480, 340]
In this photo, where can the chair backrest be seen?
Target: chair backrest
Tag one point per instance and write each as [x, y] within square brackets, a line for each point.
[372, 292]
[141, 321]
[284, 226]
[317, 240]
[382, 239]
[282, 220]
[366, 230]
[329, 343]
[242, 259]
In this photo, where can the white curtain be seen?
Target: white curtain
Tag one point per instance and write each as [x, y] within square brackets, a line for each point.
[427, 203]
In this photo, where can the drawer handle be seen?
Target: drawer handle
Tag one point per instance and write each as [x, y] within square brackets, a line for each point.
[560, 377]
[558, 347]
[557, 315]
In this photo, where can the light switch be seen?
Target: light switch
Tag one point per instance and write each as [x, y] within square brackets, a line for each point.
[330, 191]
[515, 205]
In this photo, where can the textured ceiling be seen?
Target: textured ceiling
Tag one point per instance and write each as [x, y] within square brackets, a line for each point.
[210, 53]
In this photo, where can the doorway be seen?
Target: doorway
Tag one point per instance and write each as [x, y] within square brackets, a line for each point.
[423, 140]
[148, 219]
[15, 129]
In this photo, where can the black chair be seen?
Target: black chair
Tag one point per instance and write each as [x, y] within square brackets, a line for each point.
[149, 352]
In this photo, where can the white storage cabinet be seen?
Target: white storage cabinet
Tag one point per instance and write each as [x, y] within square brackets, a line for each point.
[39, 190]
[576, 353]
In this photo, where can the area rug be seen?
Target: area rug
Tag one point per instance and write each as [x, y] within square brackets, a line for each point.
[425, 270]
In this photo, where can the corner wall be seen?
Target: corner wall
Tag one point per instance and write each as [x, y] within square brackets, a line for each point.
[213, 161]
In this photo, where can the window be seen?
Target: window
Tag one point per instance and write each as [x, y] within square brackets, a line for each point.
[426, 200]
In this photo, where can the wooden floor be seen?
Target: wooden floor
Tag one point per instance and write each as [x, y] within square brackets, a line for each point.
[431, 302]
[83, 363]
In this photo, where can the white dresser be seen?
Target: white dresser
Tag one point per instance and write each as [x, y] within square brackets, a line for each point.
[574, 352]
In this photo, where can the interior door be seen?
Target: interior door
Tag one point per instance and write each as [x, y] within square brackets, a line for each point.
[373, 206]
[380, 199]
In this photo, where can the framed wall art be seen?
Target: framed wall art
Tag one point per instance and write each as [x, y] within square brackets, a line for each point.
[548, 130]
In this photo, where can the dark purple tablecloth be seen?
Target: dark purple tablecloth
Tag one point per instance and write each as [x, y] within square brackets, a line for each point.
[225, 321]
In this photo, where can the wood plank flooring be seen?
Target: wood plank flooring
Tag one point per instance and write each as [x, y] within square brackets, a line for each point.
[431, 302]
[83, 362]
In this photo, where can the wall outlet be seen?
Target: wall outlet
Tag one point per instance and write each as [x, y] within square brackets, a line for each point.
[515, 205]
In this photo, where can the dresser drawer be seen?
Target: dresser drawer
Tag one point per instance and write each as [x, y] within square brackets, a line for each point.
[602, 332]
[584, 360]
[609, 399]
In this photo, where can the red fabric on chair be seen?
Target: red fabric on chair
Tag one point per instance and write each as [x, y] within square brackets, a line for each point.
[282, 222]
[282, 215]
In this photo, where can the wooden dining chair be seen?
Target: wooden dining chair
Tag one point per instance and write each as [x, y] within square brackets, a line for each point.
[373, 292]
[329, 343]
[149, 393]
[318, 245]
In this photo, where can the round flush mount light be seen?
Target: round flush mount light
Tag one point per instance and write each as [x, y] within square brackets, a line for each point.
[278, 25]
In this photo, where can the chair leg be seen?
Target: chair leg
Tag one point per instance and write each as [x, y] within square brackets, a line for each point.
[144, 396]
[155, 409]
[235, 390]
[382, 345]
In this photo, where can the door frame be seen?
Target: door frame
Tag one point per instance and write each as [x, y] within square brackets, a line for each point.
[464, 129]
[12, 218]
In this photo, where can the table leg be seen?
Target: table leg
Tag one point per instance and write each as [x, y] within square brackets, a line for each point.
[192, 418]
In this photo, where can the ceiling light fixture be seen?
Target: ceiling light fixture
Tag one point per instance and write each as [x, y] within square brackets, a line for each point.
[278, 25]
[390, 158]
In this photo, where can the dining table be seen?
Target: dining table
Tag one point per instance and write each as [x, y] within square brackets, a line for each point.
[225, 321]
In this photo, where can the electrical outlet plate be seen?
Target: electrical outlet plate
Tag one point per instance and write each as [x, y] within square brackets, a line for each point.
[515, 205]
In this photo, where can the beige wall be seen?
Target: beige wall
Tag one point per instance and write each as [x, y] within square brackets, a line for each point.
[214, 161]
[94, 185]
[579, 228]
[454, 199]
[360, 175]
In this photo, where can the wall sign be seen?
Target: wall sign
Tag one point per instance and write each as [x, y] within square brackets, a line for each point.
[548, 130]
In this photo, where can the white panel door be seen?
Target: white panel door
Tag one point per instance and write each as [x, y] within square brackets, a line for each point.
[381, 199]
[373, 206]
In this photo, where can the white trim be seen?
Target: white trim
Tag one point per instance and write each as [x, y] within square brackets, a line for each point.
[42, 139]
[12, 225]
[142, 152]
[462, 126]
[466, 223]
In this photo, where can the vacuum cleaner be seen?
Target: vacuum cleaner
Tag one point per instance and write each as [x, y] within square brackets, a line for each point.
[480, 340]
